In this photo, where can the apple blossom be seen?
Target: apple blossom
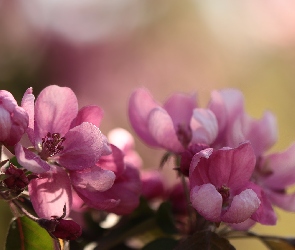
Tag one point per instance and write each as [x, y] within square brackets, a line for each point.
[220, 187]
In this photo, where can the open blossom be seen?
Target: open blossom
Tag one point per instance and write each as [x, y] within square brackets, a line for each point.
[236, 126]
[220, 187]
[59, 133]
[13, 119]
[64, 140]
[174, 125]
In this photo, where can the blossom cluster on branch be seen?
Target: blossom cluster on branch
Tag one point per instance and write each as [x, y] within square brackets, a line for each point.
[63, 165]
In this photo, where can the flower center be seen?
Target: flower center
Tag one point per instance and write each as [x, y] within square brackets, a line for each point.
[51, 145]
[224, 191]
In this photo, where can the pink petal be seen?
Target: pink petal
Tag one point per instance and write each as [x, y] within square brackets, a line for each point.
[50, 192]
[141, 104]
[282, 200]
[207, 201]
[198, 174]
[92, 114]
[232, 167]
[29, 160]
[180, 108]
[13, 119]
[93, 179]
[204, 126]
[55, 109]
[121, 198]
[113, 162]
[29, 106]
[162, 130]
[265, 213]
[282, 166]
[261, 133]
[82, 148]
[226, 104]
[242, 207]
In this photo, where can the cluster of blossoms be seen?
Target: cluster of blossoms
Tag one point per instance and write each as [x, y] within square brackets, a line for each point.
[222, 152]
[66, 163]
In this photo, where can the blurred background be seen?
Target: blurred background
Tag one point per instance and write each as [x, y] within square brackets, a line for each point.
[103, 50]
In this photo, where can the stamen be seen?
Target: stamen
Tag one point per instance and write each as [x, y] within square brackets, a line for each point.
[224, 191]
[51, 145]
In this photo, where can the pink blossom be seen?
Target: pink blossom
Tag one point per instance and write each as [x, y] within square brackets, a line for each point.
[13, 119]
[64, 139]
[275, 173]
[174, 125]
[236, 126]
[59, 133]
[220, 187]
[122, 197]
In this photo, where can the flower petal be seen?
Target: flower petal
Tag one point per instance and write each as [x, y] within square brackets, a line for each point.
[281, 165]
[83, 146]
[226, 104]
[92, 114]
[242, 207]
[113, 162]
[180, 108]
[93, 179]
[140, 105]
[207, 201]
[29, 106]
[29, 160]
[162, 130]
[232, 167]
[204, 126]
[50, 193]
[55, 109]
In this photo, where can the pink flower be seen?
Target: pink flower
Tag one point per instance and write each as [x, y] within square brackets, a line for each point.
[174, 125]
[13, 119]
[59, 133]
[64, 140]
[122, 197]
[236, 126]
[220, 187]
[275, 173]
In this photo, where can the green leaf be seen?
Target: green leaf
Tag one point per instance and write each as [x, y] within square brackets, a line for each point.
[164, 218]
[25, 234]
[161, 244]
[14, 161]
[205, 240]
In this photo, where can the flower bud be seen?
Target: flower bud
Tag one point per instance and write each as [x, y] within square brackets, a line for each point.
[67, 230]
[62, 229]
[17, 179]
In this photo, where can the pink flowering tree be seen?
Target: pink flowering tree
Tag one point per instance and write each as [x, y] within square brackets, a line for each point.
[70, 186]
